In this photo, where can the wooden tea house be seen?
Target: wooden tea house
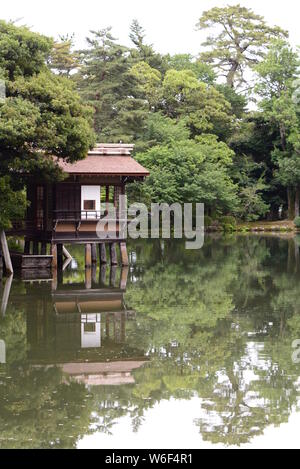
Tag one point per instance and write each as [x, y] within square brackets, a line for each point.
[68, 212]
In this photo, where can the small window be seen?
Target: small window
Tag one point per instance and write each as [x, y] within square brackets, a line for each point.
[89, 205]
[90, 327]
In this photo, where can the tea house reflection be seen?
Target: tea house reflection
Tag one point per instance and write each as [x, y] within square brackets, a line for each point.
[83, 331]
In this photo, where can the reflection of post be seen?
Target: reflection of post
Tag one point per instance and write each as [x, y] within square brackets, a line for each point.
[293, 256]
[6, 293]
[124, 276]
[94, 253]
[94, 274]
[113, 274]
[102, 253]
[54, 280]
[103, 274]
[60, 277]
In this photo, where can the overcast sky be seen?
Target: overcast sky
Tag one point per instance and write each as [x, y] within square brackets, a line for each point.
[169, 24]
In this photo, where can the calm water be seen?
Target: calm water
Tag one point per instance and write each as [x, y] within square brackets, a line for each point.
[196, 352]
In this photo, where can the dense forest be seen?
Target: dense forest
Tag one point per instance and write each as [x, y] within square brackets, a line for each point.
[221, 128]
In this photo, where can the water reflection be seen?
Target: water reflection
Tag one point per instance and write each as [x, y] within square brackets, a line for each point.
[216, 325]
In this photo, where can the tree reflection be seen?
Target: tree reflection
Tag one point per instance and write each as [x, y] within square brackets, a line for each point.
[217, 324]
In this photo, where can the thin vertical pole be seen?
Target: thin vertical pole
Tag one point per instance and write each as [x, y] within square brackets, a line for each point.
[94, 253]
[60, 259]
[124, 254]
[124, 276]
[102, 253]
[27, 246]
[35, 248]
[88, 255]
[113, 254]
[43, 248]
[54, 256]
[6, 255]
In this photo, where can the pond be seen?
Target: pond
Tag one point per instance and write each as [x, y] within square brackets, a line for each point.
[185, 349]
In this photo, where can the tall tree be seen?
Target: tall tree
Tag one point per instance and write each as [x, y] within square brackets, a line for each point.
[203, 107]
[240, 44]
[106, 83]
[63, 60]
[145, 52]
[42, 115]
[277, 74]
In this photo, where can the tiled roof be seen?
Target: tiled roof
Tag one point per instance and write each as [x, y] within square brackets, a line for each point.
[107, 159]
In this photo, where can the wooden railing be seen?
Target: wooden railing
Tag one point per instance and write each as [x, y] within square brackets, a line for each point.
[77, 215]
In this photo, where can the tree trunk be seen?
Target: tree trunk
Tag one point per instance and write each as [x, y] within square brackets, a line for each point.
[231, 74]
[291, 203]
[297, 201]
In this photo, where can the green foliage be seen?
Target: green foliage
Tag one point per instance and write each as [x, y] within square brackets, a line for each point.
[228, 223]
[206, 109]
[190, 171]
[297, 222]
[107, 81]
[277, 74]
[208, 221]
[240, 41]
[41, 117]
[201, 70]
[62, 59]
[12, 203]
[22, 52]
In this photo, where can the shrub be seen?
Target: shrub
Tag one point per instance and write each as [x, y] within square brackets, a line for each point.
[228, 223]
[297, 222]
[207, 221]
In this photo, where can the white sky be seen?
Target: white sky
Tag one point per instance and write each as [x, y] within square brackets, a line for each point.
[170, 24]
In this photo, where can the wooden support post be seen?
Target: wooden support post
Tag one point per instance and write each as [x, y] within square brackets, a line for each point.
[94, 253]
[88, 278]
[102, 253]
[1, 263]
[35, 248]
[60, 276]
[124, 276]
[6, 255]
[124, 254]
[6, 294]
[88, 255]
[44, 248]
[60, 259]
[27, 246]
[54, 255]
[113, 254]
[54, 280]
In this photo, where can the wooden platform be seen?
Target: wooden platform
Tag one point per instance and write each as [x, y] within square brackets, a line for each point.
[31, 262]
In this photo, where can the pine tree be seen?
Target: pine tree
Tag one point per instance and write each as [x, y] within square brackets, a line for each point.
[106, 83]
